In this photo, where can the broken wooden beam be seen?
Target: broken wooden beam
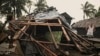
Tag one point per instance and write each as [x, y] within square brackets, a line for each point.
[64, 31]
[41, 45]
[53, 38]
[51, 43]
[81, 38]
[40, 24]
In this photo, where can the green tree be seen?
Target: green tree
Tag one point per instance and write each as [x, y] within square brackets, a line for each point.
[88, 10]
[13, 7]
[98, 12]
[41, 5]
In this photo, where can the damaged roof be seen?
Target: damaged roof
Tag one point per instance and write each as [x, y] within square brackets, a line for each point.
[86, 22]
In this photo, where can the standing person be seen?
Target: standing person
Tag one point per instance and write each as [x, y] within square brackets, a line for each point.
[90, 30]
[10, 30]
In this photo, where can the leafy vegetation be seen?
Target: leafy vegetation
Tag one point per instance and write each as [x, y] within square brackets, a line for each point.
[98, 13]
[88, 10]
[14, 7]
[41, 5]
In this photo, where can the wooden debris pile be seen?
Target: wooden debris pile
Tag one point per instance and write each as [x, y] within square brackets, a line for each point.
[31, 37]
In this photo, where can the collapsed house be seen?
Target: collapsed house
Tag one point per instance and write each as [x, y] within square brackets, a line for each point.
[45, 34]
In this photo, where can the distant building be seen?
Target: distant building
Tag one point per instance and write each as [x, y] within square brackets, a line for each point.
[82, 25]
[67, 17]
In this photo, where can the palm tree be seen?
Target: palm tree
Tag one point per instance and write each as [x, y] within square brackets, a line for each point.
[13, 7]
[98, 13]
[88, 10]
[41, 5]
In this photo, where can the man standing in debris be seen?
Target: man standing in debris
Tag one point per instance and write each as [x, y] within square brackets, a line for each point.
[90, 30]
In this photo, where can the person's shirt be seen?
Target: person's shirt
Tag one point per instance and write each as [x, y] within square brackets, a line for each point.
[90, 31]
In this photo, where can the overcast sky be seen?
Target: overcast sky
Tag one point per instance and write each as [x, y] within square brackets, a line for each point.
[72, 7]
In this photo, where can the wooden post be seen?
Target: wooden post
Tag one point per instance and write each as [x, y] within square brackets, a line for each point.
[64, 31]
[53, 38]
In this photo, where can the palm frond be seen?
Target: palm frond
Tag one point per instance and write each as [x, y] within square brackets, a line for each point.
[16, 6]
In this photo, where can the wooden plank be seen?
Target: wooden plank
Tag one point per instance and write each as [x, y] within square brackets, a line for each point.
[95, 40]
[37, 19]
[41, 45]
[41, 24]
[55, 43]
[80, 41]
[75, 41]
[51, 43]
[64, 31]
[19, 33]
[77, 45]
[33, 40]
[80, 37]
[53, 38]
